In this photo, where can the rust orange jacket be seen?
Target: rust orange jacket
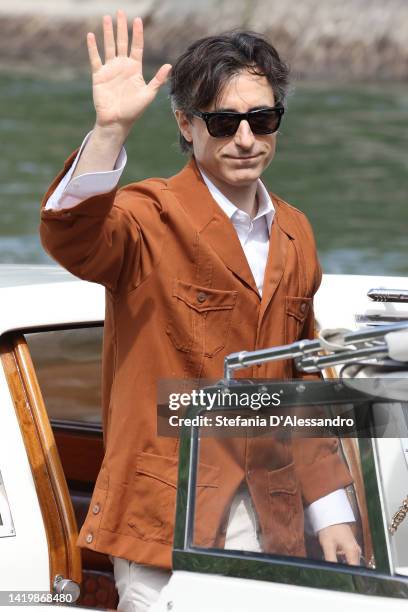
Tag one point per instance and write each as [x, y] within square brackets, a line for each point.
[159, 247]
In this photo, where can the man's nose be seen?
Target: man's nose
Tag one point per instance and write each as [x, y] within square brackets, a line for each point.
[244, 136]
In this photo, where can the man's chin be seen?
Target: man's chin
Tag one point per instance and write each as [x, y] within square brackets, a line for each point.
[242, 177]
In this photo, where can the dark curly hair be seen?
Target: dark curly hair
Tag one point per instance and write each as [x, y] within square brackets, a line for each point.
[201, 72]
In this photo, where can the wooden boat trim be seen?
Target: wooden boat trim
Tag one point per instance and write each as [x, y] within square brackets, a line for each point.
[49, 479]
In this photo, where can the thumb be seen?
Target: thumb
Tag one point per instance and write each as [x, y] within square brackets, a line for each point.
[159, 78]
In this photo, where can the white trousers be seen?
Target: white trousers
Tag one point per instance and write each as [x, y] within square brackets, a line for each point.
[139, 586]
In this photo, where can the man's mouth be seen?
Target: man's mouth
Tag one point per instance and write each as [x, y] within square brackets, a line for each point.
[242, 157]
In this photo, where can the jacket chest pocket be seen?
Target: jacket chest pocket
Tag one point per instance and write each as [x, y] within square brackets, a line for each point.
[296, 311]
[200, 317]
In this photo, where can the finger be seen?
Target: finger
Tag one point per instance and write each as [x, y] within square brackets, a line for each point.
[160, 77]
[329, 551]
[94, 57]
[136, 50]
[108, 38]
[122, 33]
[353, 554]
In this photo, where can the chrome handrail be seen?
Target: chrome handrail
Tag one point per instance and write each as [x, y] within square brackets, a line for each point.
[353, 346]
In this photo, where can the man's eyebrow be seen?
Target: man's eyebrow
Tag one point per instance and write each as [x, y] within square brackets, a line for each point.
[233, 110]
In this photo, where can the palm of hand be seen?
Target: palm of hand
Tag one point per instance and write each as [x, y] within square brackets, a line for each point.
[119, 91]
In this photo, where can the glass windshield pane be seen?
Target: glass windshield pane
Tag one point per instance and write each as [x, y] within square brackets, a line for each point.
[68, 366]
[267, 483]
[392, 458]
[250, 492]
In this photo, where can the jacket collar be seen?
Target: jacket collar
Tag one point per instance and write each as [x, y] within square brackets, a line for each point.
[216, 228]
[265, 208]
[191, 191]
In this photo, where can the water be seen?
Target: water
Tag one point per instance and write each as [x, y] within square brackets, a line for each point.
[342, 158]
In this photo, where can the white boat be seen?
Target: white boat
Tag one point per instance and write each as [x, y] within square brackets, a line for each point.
[51, 448]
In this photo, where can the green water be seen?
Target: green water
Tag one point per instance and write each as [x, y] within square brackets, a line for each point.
[342, 158]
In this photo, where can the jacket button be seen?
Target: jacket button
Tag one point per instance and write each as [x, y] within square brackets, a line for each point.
[96, 508]
[303, 306]
[89, 538]
[201, 297]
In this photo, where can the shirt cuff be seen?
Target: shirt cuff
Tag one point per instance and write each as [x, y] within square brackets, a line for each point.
[69, 193]
[331, 509]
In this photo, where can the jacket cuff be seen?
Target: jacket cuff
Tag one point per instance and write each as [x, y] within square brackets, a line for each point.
[95, 206]
[332, 509]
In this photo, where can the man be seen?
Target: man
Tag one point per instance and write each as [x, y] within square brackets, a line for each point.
[195, 267]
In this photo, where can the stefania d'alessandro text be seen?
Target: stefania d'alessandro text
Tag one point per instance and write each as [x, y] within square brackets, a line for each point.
[259, 421]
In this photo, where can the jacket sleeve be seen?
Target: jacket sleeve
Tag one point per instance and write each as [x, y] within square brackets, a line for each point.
[114, 238]
[319, 467]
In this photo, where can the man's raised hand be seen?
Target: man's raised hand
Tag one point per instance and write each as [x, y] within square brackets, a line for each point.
[120, 92]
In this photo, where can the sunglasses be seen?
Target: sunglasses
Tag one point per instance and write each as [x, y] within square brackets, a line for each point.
[226, 123]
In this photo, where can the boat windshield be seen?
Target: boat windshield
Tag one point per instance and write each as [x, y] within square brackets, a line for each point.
[264, 458]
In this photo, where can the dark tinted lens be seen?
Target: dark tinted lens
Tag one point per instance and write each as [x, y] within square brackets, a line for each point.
[264, 122]
[223, 125]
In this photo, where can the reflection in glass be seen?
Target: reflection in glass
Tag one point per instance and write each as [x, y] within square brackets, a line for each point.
[248, 494]
[68, 367]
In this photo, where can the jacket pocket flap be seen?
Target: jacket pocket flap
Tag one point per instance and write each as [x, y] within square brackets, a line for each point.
[159, 467]
[298, 307]
[165, 469]
[204, 298]
[283, 480]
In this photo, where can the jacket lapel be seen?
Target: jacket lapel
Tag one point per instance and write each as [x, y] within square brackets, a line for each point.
[275, 265]
[210, 221]
[281, 234]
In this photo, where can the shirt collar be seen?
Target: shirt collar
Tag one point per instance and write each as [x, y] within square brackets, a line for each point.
[265, 207]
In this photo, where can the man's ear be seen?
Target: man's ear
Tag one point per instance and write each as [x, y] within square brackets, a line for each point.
[184, 125]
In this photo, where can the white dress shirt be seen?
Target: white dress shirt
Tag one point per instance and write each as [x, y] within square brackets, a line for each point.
[253, 235]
